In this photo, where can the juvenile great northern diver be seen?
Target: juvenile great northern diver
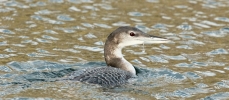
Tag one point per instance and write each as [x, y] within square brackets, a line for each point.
[119, 70]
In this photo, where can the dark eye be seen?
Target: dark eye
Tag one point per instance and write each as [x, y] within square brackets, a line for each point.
[132, 34]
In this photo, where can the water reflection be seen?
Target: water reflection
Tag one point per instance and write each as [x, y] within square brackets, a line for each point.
[44, 40]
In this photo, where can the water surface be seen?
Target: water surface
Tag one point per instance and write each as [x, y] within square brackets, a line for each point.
[41, 41]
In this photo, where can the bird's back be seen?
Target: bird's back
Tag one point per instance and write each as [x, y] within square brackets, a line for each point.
[104, 76]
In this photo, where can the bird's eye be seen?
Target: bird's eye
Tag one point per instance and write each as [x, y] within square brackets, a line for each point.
[132, 34]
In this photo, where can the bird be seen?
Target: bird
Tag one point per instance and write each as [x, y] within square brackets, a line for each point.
[118, 70]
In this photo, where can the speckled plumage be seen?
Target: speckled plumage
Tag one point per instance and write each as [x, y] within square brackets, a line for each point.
[104, 76]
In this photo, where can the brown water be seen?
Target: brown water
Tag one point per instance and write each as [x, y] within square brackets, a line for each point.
[54, 35]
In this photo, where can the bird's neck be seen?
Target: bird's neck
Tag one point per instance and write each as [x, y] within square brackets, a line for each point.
[114, 58]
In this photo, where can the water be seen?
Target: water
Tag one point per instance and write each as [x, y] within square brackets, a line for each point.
[42, 41]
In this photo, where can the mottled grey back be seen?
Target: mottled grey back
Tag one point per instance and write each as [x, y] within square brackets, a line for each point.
[104, 76]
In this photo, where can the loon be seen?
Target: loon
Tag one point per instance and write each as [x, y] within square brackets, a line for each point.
[118, 69]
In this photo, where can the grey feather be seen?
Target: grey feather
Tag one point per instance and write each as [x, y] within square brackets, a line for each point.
[104, 76]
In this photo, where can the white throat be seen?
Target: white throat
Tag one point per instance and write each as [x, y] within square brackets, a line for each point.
[126, 65]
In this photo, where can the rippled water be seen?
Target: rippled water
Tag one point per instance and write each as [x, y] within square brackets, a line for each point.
[41, 41]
